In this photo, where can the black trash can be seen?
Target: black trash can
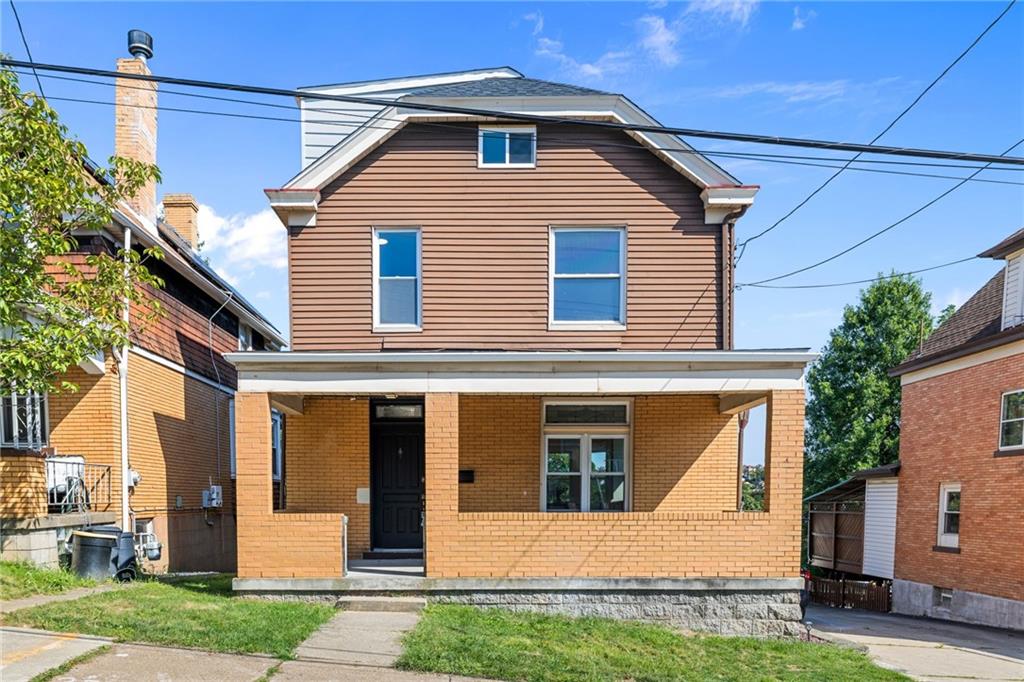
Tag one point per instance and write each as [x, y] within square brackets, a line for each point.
[91, 554]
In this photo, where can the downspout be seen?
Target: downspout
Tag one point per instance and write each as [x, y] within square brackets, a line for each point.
[122, 371]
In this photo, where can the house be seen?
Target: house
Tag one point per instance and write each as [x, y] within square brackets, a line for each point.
[960, 528]
[852, 525]
[145, 442]
[512, 365]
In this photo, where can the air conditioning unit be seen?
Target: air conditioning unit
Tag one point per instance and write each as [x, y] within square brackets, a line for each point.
[213, 497]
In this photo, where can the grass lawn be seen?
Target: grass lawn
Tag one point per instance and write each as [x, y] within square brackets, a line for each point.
[200, 613]
[519, 646]
[20, 579]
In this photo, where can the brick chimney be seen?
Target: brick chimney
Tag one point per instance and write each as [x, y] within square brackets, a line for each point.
[182, 213]
[135, 122]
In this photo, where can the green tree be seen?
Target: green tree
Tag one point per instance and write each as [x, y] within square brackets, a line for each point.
[58, 307]
[853, 412]
[753, 487]
[945, 314]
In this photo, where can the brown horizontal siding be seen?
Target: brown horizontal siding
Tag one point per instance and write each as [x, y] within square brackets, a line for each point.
[485, 244]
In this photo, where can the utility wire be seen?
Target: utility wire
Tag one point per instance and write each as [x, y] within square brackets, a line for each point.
[858, 281]
[362, 117]
[884, 229]
[531, 118]
[28, 50]
[777, 159]
[906, 110]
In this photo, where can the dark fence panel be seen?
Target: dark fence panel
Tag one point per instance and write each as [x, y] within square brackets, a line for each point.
[852, 594]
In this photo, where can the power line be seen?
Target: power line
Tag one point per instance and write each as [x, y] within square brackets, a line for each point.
[884, 229]
[906, 110]
[28, 50]
[858, 281]
[531, 118]
[777, 159]
[363, 118]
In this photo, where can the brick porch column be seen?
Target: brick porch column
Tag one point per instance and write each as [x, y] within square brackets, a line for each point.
[254, 500]
[784, 473]
[442, 477]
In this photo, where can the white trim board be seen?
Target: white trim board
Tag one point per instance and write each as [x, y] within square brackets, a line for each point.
[957, 364]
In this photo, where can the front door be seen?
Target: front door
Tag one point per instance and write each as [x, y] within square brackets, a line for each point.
[397, 484]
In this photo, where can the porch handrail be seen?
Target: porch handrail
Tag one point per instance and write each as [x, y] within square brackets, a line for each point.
[75, 486]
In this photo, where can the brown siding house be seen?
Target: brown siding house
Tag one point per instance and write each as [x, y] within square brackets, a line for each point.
[959, 533]
[512, 378]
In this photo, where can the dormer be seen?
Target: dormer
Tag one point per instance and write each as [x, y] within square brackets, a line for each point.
[1011, 250]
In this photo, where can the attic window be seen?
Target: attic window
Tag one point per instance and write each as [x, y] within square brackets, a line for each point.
[507, 147]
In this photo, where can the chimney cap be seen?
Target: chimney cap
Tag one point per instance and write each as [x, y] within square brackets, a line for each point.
[140, 44]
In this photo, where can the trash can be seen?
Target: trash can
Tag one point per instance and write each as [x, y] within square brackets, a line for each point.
[92, 554]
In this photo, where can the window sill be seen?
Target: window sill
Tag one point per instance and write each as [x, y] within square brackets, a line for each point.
[505, 166]
[397, 329]
[1009, 452]
[586, 327]
[946, 550]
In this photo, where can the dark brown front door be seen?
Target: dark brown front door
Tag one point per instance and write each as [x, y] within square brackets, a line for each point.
[397, 484]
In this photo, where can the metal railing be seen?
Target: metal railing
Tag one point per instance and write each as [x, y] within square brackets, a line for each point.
[73, 486]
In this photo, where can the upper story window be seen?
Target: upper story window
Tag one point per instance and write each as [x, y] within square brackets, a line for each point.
[949, 515]
[396, 279]
[23, 421]
[588, 281]
[244, 337]
[1011, 422]
[507, 147]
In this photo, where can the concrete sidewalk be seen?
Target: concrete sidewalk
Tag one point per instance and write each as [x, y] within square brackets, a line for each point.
[27, 653]
[926, 649]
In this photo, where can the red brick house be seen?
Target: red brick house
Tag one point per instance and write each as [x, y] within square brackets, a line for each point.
[960, 527]
[512, 367]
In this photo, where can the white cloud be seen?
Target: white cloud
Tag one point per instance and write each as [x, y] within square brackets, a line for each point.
[241, 245]
[658, 4]
[797, 91]
[732, 11]
[800, 19]
[611, 62]
[538, 21]
[659, 39]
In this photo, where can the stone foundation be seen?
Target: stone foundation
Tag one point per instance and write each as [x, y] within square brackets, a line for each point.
[756, 613]
[40, 540]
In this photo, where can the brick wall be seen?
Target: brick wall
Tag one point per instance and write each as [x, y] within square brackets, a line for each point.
[22, 485]
[950, 431]
[275, 545]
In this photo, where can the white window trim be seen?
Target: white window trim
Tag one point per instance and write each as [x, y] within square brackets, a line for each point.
[231, 434]
[586, 325]
[378, 326]
[585, 432]
[504, 129]
[948, 539]
[276, 435]
[30, 442]
[1002, 399]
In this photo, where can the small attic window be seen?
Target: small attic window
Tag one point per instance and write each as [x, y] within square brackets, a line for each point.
[507, 147]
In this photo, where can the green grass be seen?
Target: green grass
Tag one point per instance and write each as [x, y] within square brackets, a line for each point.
[67, 665]
[20, 579]
[200, 613]
[520, 646]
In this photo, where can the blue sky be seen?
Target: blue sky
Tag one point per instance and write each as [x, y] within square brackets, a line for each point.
[837, 71]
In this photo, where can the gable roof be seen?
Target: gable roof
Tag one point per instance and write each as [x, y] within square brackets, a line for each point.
[506, 87]
[1015, 242]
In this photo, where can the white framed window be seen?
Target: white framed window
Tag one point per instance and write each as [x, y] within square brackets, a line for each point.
[397, 281]
[1011, 421]
[586, 456]
[949, 515]
[587, 278]
[24, 421]
[244, 337]
[507, 147]
[276, 443]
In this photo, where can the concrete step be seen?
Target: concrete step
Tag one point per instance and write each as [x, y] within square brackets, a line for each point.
[382, 604]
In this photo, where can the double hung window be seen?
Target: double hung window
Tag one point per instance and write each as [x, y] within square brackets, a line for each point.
[397, 286]
[588, 281]
[1011, 422]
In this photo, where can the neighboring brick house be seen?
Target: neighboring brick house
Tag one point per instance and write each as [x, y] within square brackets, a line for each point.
[513, 366]
[960, 528]
[64, 454]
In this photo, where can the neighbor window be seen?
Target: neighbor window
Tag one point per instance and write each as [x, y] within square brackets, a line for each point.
[587, 287]
[585, 457]
[23, 421]
[1011, 423]
[244, 337]
[508, 146]
[949, 515]
[396, 279]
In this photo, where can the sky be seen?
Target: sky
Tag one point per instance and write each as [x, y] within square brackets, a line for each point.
[835, 71]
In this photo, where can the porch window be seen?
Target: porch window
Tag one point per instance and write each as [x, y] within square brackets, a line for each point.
[396, 279]
[949, 515]
[1011, 424]
[585, 469]
[588, 283]
[23, 421]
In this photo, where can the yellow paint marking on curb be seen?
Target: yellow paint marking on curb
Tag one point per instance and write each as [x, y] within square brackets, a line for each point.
[19, 655]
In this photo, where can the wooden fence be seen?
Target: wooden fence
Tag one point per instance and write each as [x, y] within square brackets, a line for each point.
[851, 594]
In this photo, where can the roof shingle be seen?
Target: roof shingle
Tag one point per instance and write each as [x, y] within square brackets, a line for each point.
[506, 87]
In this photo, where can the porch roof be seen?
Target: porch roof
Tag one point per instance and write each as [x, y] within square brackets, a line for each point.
[536, 372]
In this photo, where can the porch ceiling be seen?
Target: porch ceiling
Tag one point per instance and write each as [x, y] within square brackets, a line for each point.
[553, 373]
